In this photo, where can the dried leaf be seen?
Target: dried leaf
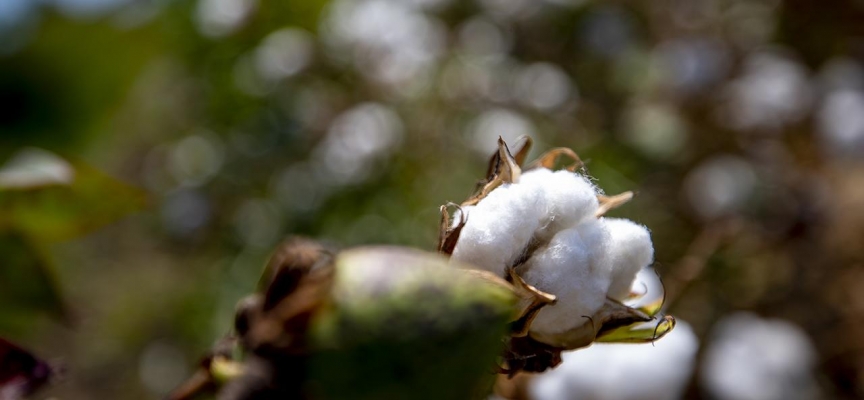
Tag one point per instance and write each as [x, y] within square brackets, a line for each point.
[608, 203]
[509, 170]
[532, 301]
[503, 168]
[522, 146]
[550, 158]
[448, 235]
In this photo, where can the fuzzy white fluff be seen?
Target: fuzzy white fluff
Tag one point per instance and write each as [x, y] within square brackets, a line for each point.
[631, 249]
[568, 199]
[579, 258]
[574, 267]
[500, 227]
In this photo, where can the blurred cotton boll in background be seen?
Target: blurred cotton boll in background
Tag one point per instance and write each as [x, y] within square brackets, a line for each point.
[841, 122]
[655, 129]
[623, 371]
[184, 211]
[486, 128]
[283, 53]
[195, 159]
[773, 91]
[482, 38]
[218, 18]
[543, 86]
[357, 138]
[751, 358]
[391, 42]
[720, 186]
[694, 65]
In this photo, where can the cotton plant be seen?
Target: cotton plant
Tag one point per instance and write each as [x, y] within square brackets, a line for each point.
[544, 230]
[533, 268]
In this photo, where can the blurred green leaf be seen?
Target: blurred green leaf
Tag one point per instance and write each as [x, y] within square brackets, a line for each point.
[27, 283]
[46, 198]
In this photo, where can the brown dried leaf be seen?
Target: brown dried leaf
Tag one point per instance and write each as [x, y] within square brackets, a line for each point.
[550, 158]
[448, 235]
[503, 168]
[532, 301]
[608, 203]
[522, 146]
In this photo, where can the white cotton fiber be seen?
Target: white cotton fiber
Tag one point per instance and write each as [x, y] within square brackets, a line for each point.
[571, 268]
[569, 198]
[499, 228]
[630, 250]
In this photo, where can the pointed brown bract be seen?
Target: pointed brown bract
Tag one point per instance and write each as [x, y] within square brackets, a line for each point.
[448, 235]
[503, 168]
[608, 203]
[550, 158]
[522, 146]
[532, 301]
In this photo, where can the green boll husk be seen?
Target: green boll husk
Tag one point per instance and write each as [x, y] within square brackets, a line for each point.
[403, 324]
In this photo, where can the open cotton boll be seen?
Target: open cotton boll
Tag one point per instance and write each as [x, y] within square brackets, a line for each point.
[573, 268]
[499, 228]
[630, 250]
[570, 198]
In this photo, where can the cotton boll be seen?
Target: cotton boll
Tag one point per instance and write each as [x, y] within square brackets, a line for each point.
[499, 228]
[623, 371]
[568, 268]
[596, 236]
[630, 249]
[755, 358]
[570, 198]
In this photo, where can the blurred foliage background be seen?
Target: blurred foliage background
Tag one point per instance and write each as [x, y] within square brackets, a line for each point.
[226, 125]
